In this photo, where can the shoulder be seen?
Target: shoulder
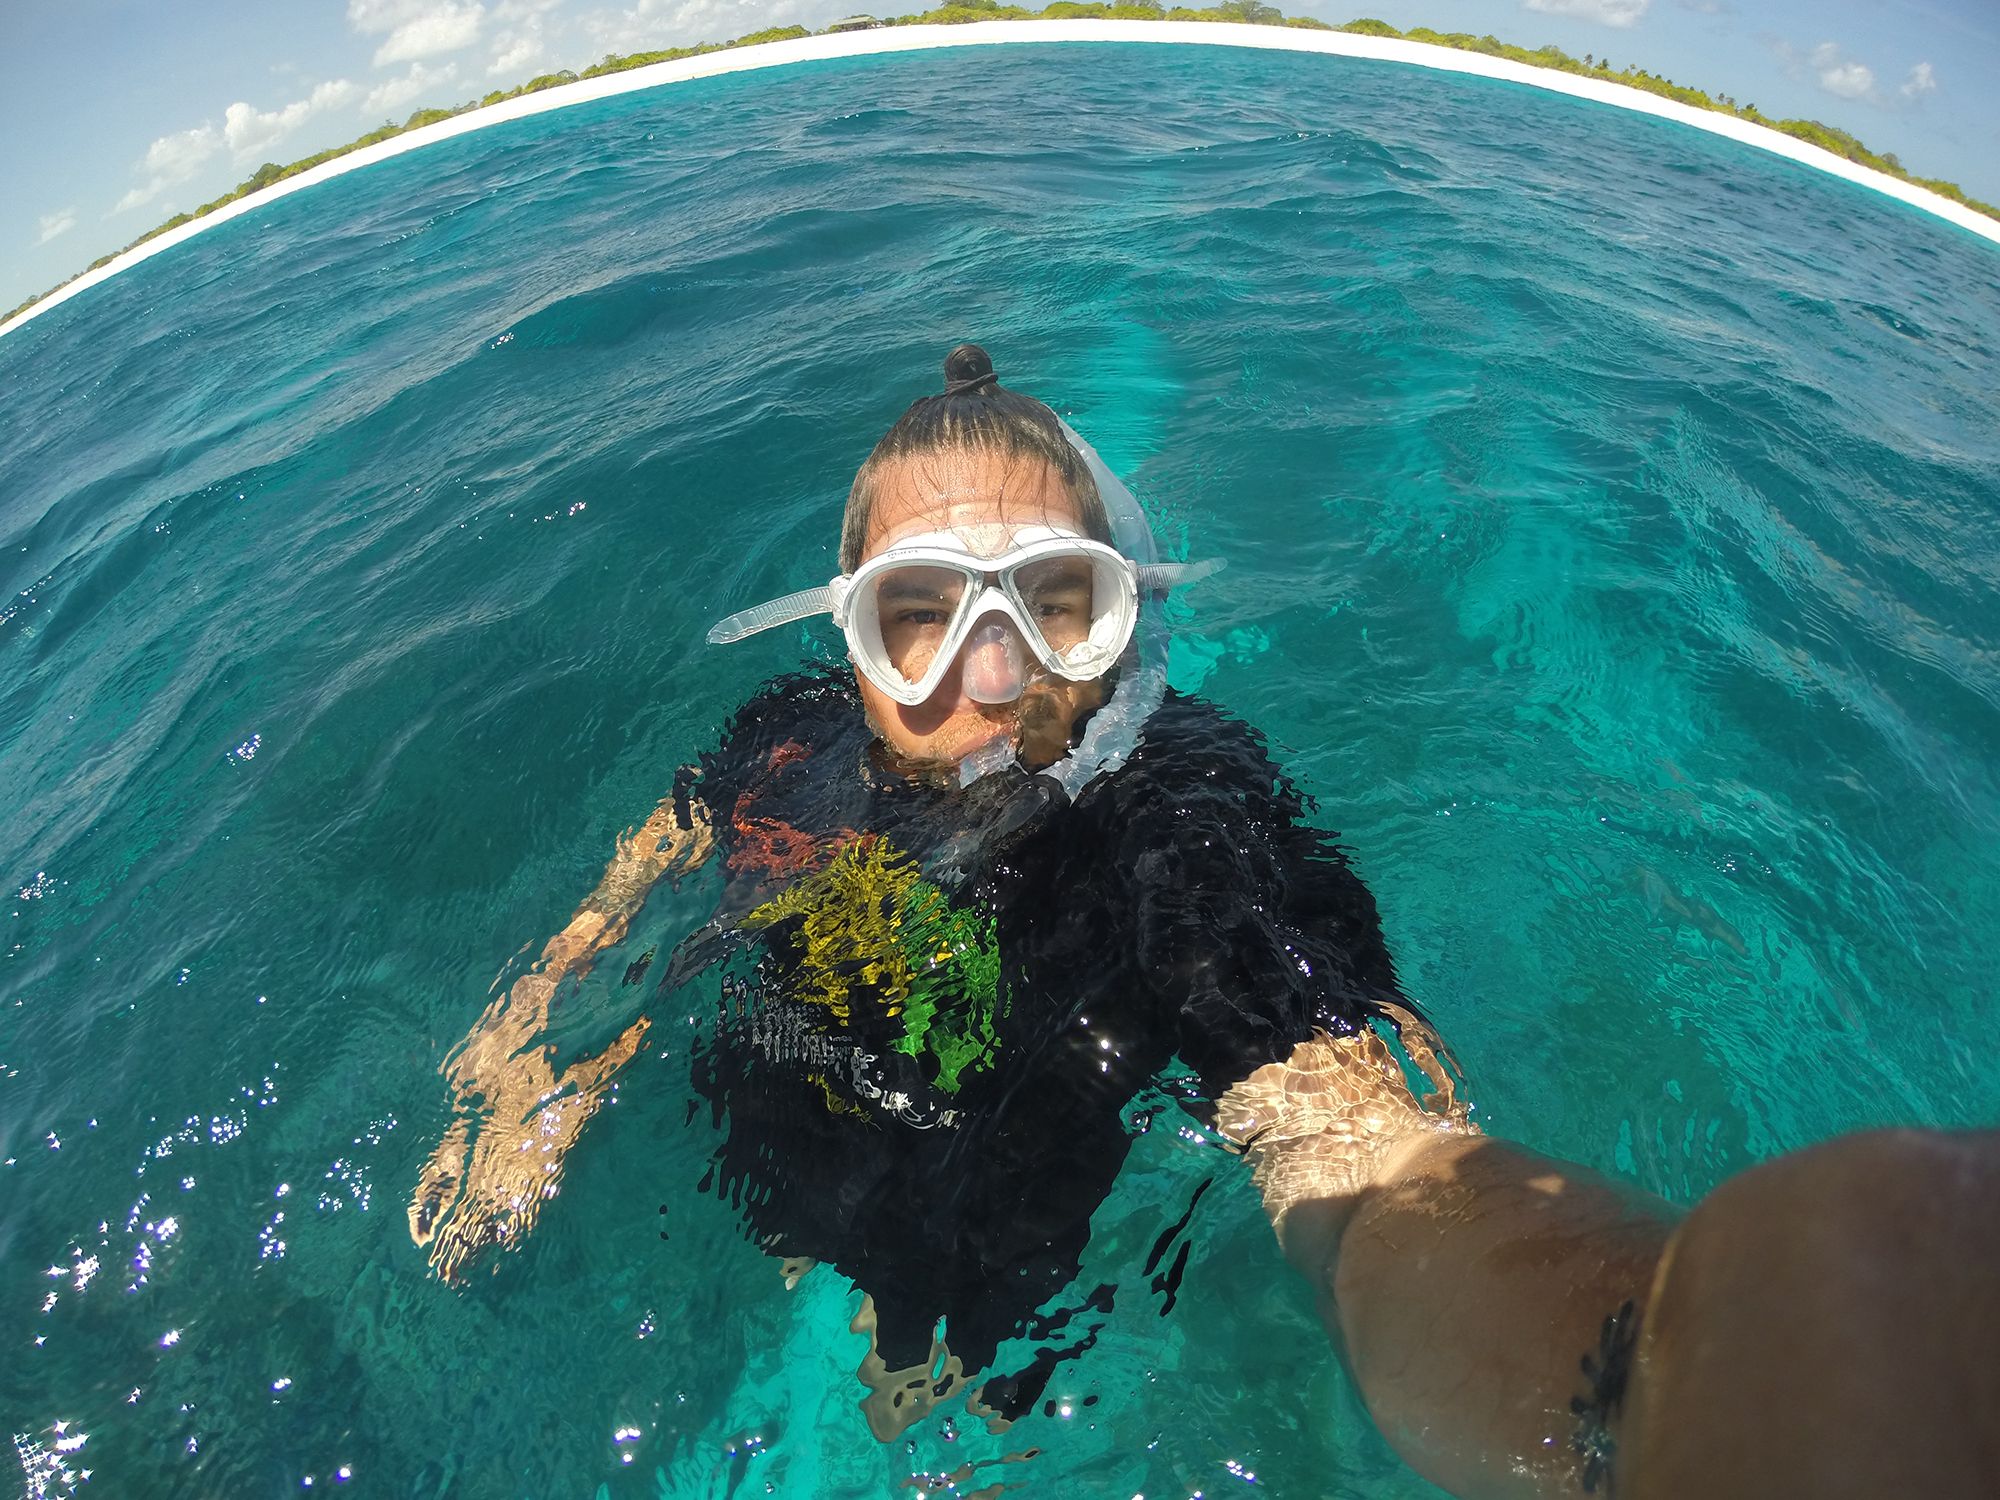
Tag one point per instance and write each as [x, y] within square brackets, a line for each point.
[1204, 803]
[813, 716]
[810, 697]
[1194, 749]
[806, 707]
[1184, 723]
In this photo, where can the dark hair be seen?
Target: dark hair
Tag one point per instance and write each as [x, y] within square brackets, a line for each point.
[974, 411]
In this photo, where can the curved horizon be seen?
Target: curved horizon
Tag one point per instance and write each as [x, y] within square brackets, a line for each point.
[888, 39]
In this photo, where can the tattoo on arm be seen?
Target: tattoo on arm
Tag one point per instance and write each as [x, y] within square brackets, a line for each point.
[1606, 1373]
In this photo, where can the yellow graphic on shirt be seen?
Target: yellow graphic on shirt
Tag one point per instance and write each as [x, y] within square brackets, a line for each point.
[870, 929]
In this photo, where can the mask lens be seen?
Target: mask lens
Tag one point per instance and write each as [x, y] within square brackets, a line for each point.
[1060, 596]
[914, 607]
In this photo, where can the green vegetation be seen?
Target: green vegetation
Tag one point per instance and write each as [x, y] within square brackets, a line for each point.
[959, 12]
[1826, 137]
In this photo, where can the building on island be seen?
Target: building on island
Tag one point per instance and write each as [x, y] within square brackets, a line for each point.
[855, 23]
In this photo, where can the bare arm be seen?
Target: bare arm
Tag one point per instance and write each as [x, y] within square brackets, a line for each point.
[1825, 1324]
[1464, 1280]
[1821, 1325]
[485, 1185]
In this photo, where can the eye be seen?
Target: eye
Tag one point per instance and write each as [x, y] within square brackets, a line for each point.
[920, 618]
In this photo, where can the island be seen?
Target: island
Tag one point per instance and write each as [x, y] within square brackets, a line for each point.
[1240, 12]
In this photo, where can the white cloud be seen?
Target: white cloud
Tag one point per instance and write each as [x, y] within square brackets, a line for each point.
[179, 156]
[62, 221]
[248, 131]
[1619, 13]
[515, 52]
[648, 24]
[332, 94]
[414, 29]
[641, 26]
[171, 160]
[1922, 79]
[389, 96]
[522, 46]
[1848, 80]
[245, 132]
[1842, 76]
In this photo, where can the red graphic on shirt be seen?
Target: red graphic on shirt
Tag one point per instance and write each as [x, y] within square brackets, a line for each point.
[788, 754]
[772, 847]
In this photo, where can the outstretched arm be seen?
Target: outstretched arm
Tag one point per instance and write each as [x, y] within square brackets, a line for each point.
[1518, 1326]
[1464, 1280]
[502, 1156]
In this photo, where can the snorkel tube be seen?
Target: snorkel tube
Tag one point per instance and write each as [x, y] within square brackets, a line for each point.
[1113, 731]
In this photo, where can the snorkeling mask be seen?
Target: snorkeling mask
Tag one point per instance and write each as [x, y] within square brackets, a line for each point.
[908, 612]
[1075, 604]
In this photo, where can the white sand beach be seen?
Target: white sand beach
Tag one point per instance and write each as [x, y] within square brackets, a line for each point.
[989, 33]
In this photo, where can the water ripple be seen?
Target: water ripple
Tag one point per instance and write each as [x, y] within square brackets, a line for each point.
[1610, 512]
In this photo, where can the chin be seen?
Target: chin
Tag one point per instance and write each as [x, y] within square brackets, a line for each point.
[925, 744]
[944, 747]
[930, 749]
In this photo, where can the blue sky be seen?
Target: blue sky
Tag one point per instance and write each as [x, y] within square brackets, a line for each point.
[120, 113]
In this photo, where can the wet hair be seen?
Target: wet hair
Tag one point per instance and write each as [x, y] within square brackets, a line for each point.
[973, 412]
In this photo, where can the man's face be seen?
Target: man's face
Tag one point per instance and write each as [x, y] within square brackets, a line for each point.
[985, 497]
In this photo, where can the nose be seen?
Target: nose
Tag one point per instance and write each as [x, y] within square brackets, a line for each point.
[993, 668]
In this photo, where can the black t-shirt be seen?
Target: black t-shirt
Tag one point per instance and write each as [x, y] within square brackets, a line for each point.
[936, 1004]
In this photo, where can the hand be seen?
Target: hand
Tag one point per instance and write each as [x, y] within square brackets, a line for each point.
[488, 1178]
[490, 1194]
[1328, 1122]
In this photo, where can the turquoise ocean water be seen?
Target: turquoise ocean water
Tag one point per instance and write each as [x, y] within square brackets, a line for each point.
[1613, 520]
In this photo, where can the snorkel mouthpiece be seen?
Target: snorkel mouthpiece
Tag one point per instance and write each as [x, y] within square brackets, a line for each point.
[993, 669]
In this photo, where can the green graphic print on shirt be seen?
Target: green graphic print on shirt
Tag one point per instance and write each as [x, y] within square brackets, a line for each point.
[870, 933]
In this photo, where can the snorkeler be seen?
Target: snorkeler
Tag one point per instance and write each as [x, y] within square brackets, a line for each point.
[979, 894]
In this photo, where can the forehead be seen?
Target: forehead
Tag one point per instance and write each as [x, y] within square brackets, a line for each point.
[986, 494]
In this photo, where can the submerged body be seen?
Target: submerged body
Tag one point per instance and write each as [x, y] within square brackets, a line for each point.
[956, 993]
[975, 899]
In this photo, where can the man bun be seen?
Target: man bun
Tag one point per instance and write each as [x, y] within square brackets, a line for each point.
[967, 368]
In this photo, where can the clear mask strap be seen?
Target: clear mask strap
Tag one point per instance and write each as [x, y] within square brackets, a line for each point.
[747, 622]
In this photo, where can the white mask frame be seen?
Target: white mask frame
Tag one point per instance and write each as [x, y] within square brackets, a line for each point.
[991, 588]
[991, 585]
